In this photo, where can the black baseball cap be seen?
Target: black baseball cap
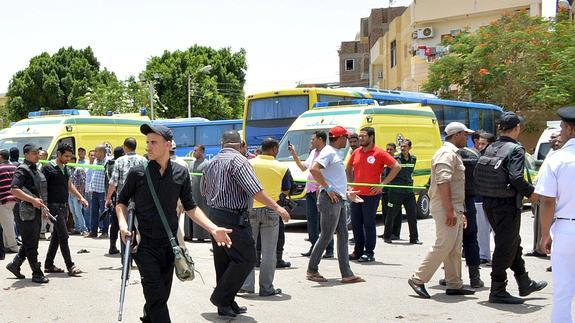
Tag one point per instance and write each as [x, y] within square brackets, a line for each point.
[509, 120]
[157, 129]
[30, 148]
[567, 113]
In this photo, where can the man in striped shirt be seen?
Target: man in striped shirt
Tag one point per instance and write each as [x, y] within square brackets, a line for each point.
[7, 201]
[98, 189]
[229, 183]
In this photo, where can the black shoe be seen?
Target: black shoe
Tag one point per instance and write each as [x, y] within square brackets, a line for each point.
[14, 267]
[283, 264]
[536, 254]
[2, 256]
[328, 255]
[394, 237]
[415, 242]
[387, 240]
[549, 269]
[226, 311]
[306, 254]
[443, 282]
[459, 292]
[275, 291]
[499, 295]
[528, 286]
[366, 258]
[113, 251]
[40, 279]
[419, 289]
[238, 309]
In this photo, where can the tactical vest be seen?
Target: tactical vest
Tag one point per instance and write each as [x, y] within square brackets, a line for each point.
[491, 174]
[469, 157]
[27, 211]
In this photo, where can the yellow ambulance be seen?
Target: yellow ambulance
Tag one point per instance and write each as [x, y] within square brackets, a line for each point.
[76, 127]
[392, 123]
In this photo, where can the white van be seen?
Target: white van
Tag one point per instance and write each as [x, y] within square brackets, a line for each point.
[543, 146]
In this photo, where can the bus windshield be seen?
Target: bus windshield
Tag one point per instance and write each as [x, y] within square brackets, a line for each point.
[42, 142]
[278, 107]
[301, 140]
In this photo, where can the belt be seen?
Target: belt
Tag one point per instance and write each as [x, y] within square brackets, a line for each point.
[568, 219]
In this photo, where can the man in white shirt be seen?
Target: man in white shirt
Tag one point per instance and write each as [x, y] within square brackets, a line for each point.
[557, 201]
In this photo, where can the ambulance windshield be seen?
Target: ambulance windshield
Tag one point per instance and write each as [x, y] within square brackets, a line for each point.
[7, 143]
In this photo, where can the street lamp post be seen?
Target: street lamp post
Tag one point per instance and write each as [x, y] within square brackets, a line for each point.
[204, 69]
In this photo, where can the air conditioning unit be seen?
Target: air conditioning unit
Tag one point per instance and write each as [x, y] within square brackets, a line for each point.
[425, 32]
[380, 75]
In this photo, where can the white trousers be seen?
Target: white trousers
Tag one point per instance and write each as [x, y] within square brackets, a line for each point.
[7, 223]
[563, 262]
[483, 233]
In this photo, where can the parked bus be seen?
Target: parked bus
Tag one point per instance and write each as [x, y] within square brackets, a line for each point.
[191, 131]
[269, 114]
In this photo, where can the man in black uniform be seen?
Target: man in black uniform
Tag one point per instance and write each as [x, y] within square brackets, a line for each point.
[59, 187]
[155, 258]
[499, 179]
[229, 182]
[29, 186]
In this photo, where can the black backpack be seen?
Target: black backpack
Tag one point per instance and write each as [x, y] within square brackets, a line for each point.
[491, 175]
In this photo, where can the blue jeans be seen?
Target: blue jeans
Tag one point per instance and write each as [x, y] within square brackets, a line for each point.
[76, 208]
[470, 244]
[313, 227]
[363, 223]
[97, 207]
[332, 221]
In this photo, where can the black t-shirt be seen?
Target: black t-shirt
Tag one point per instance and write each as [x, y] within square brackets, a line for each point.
[173, 185]
[57, 179]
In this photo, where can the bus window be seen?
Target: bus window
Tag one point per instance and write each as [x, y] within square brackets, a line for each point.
[333, 98]
[277, 107]
[438, 110]
[184, 136]
[455, 114]
[211, 135]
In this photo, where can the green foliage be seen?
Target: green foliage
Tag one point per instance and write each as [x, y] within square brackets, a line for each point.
[53, 82]
[518, 62]
[117, 96]
[217, 94]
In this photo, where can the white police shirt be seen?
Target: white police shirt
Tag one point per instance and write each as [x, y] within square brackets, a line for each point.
[555, 179]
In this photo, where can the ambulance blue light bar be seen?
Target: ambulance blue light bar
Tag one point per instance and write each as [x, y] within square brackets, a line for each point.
[61, 112]
[345, 102]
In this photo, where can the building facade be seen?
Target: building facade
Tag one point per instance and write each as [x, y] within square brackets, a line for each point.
[411, 41]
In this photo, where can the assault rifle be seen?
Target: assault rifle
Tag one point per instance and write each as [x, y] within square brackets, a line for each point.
[126, 263]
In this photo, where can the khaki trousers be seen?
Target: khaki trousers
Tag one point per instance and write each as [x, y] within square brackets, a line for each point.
[447, 249]
[7, 223]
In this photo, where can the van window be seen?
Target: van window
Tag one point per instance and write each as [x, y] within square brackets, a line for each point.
[301, 140]
[68, 140]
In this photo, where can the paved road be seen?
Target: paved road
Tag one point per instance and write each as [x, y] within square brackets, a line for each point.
[385, 297]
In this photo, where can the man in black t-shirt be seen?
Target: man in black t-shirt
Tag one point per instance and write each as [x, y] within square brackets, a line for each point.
[59, 186]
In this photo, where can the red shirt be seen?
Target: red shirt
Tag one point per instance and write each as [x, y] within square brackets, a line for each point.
[368, 167]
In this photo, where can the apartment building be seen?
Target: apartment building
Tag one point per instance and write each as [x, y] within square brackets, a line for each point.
[400, 57]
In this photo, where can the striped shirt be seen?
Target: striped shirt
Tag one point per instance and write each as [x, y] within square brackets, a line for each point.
[229, 181]
[6, 175]
[97, 182]
[122, 167]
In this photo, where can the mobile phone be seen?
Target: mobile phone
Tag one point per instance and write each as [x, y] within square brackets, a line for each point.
[289, 144]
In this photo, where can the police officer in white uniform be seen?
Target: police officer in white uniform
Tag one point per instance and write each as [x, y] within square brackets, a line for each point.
[557, 201]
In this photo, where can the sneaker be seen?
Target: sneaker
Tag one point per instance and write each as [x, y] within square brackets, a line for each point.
[366, 258]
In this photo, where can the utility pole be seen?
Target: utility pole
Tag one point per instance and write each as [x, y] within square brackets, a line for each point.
[189, 98]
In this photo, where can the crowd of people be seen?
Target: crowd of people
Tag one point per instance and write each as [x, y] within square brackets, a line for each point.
[239, 204]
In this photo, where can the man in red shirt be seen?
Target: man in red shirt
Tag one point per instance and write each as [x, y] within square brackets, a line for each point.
[367, 164]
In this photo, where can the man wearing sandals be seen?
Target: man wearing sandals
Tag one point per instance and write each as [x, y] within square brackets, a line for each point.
[329, 171]
[59, 187]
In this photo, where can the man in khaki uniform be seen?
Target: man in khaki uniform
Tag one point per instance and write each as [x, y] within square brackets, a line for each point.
[447, 193]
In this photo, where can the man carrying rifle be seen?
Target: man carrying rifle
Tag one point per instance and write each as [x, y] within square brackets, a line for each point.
[29, 186]
[155, 257]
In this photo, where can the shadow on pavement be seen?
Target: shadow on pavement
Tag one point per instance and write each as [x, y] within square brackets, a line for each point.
[214, 317]
[443, 298]
[25, 283]
[514, 308]
[275, 298]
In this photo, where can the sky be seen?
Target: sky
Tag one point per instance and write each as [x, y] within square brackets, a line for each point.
[286, 41]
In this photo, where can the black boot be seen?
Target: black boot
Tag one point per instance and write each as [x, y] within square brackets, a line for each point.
[528, 286]
[474, 277]
[14, 266]
[498, 294]
[38, 275]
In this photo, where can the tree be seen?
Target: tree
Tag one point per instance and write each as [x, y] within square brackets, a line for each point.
[518, 62]
[217, 94]
[116, 96]
[54, 82]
